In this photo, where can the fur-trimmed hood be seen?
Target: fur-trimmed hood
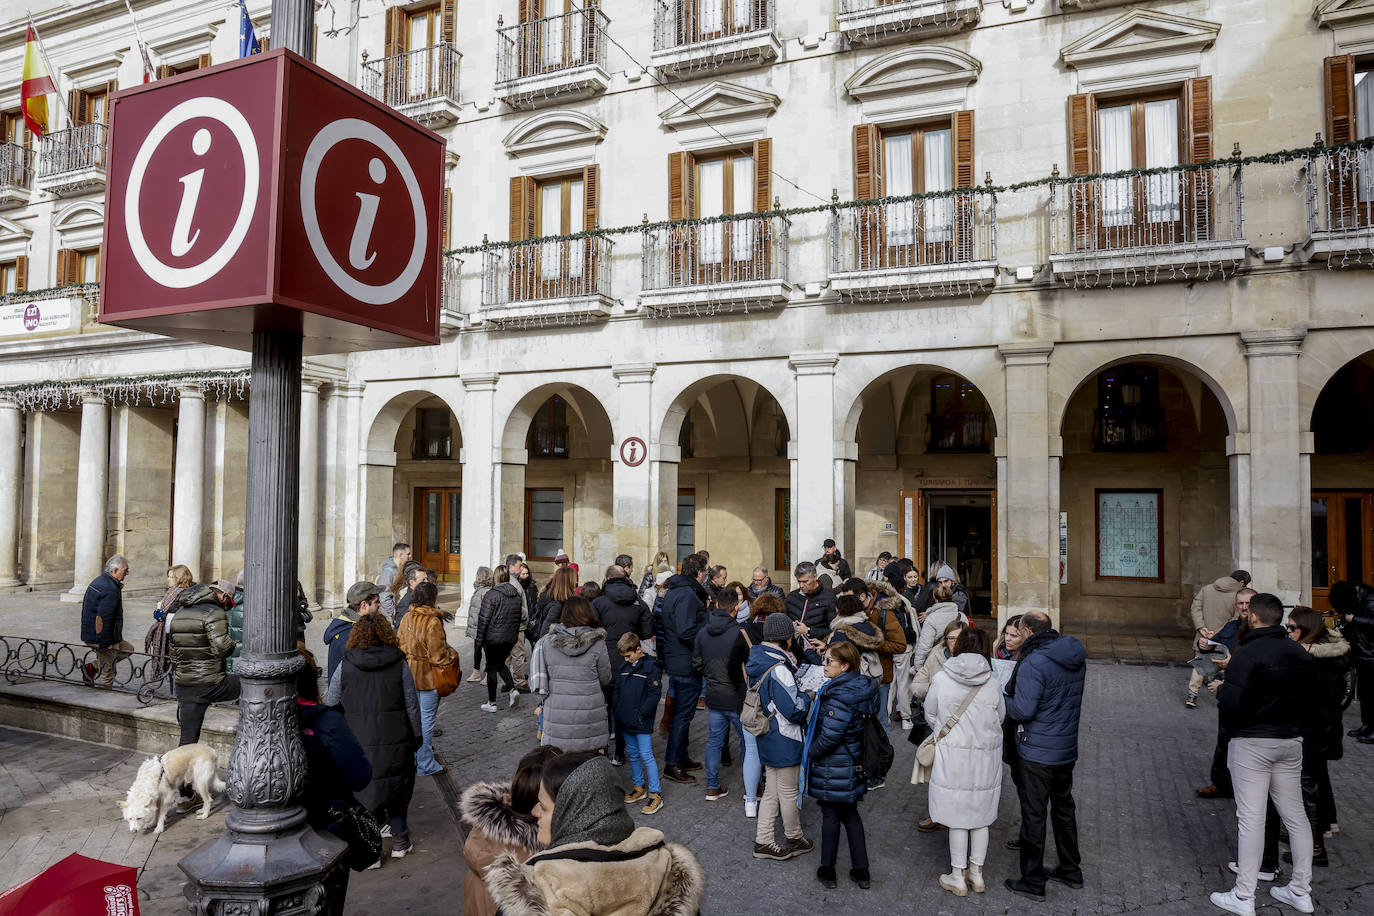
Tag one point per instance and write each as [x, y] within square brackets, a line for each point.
[575, 640]
[890, 600]
[485, 806]
[857, 629]
[648, 877]
[1334, 647]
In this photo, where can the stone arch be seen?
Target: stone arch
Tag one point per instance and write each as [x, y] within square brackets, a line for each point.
[384, 418]
[720, 409]
[865, 377]
[589, 407]
[1323, 355]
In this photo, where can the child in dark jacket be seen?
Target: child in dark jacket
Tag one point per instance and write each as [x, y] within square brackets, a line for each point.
[634, 703]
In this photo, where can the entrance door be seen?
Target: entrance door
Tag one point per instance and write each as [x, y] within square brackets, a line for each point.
[958, 527]
[439, 512]
[1342, 540]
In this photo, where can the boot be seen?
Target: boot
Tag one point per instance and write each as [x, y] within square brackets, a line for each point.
[975, 878]
[667, 722]
[826, 875]
[954, 882]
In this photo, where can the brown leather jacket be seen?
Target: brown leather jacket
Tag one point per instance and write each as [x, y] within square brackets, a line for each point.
[422, 640]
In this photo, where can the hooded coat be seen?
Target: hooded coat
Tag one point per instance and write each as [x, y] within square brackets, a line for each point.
[498, 621]
[865, 637]
[336, 638]
[785, 704]
[578, 668]
[834, 738]
[621, 612]
[374, 690]
[683, 614]
[891, 617]
[940, 615]
[1215, 604]
[199, 638]
[719, 656]
[1046, 696]
[966, 780]
[1323, 731]
[494, 829]
[638, 686]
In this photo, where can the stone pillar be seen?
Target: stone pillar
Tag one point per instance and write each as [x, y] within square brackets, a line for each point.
[814, 485]
[309, 543]
[1277, 500]
[92, 492]
[481, 523]
[188, 513]
[633, 486]
[1030, 545]
[11, 491]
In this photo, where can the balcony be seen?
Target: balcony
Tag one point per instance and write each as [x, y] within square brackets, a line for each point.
[544, 283]
[1128, 429]
[958, 433]
[914, 249]
[717, 266]
[1340, 208]
[16, 175]
[552, 60]
[421, 84]
[693, 36]
[450, 302]
[72, 161]
[49, 311]
[875, 22]
[1179, 223]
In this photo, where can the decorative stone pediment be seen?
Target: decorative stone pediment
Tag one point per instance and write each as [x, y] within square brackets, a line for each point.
[554, 142]
[1140, 48]
[738, 112]
[184, 46]
[95, 71]
[1352, 21]
[80, 225]
[913, 83]
[10, 231]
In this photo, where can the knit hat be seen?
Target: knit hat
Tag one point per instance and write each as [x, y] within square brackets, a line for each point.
[561, 555]
[590, 807]
[778, 628]
[946, 573]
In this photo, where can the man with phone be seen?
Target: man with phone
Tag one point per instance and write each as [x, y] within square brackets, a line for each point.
[1208, 642]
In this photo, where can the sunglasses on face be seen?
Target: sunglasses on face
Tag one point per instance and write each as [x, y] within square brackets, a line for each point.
[1292, 627]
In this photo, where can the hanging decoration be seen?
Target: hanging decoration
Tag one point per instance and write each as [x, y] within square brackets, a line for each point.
[134, 391]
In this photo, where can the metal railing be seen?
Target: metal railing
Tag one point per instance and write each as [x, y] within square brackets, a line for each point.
[449, 297]
[149, 677]
[1128, 429]
[1340, 191]
[922, 12]
[16, 166]
[944, 231]
[721, 251]
[1178, 207]
[423, 75]
[678, 23]
[562, 42]
[966, 432]
[541, 269]
[73, 149]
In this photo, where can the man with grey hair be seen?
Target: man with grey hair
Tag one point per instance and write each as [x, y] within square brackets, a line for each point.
[762, 584]
[102, 621]
[811, 604]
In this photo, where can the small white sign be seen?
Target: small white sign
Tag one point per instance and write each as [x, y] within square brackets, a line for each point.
[21, 318]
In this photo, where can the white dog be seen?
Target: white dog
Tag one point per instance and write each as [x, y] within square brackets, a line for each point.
[159, 781]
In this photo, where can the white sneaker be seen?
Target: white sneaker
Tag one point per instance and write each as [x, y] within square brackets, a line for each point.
[1228, 901]
[751, 808]
[489, 707]
[1284, 893]
[1332, 831]
[514, 698]
[908, 725]
[1262, 874]
[386, 830]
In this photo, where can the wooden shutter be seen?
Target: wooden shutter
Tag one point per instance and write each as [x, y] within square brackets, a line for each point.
[868, 185]
[763, 176]
[444, 223]
[1339, 73]
[591, 216]
[21, 273]
[530, 10]
[394, 41]
[1197, 100]
[163, 71]
[524, 199]
[67, 261]
[961, 144]
[77, 109]
[203, 62]
[1082, 157]
[448, 17]
[682, 204]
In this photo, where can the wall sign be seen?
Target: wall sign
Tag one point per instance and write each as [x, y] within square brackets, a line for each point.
[1130, 527]
[633, 451]
[20, 318]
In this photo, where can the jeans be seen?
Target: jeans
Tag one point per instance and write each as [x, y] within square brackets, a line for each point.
[833, 814]
[721, 720]
[1263, 769]
[968, 846]
[883, 718]
[640, 750]
[753, 767]
[1048, 790]
[399, 826]
[192, 702]
[425, 764]
[496, 667]
[106, 659]
[687, 691]
[779, 793]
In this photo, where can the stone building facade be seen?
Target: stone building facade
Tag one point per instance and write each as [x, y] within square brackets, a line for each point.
[1091, 395]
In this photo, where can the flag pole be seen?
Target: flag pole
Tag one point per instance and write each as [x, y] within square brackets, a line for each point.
[52, 74]
[148, 72]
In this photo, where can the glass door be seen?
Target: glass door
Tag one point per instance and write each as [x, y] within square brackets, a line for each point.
[440, 524]
[1342, 541]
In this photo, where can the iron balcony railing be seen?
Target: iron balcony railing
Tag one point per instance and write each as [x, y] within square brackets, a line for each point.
[1175, 208]
[957, 432]
[1128, 429]
[715, 252]
[449, 297]
[958, 227]
[71, 150]
[544, 269]
[424, 75]
[16, 166]
[1340, 191]
[548, 45]
[149, 677]
[678, 23]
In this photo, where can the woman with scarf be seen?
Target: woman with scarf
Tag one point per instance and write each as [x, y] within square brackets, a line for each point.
[500, 819]
[155, 643]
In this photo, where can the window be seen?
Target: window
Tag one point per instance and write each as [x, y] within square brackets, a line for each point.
[433, 437]
[14, 275]
[915, 161]
[720, 184]
[15, 131]
[1128, 416]
[91, 105]
[686, 522]
[1350, 116]
[1139, 134]
[76, 266]
[725, 185]
[543, 523]
[561, 212]
[556, 34]
[417, 61]
[548, 436]
[959, 419]
[703, 20]
[552, 207]
[1130, 528]
[186, 66]
[782, 528]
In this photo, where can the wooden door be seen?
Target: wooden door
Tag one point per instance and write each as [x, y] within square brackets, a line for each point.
[1342, 540]
[438, 529]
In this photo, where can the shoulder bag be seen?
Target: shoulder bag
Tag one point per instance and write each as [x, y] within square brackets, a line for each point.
[925, 754]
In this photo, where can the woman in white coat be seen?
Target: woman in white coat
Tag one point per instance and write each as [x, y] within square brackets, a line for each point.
[966, 779]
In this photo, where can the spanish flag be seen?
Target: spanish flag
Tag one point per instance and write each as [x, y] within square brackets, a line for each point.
[33, 92]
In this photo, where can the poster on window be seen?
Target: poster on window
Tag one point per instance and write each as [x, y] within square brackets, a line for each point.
[20, 318]
[1128, 526]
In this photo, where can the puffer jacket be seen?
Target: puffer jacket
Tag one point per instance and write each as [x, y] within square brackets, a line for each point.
[422, 640]
[683, 614]
[785, 704]
[1359, 630]
[1323, 731]
[102, 612]
[577, 669]
[1046, 696]
[493, 829]
[638, 687]
[374, 690]
[719, 657]
[621, 612]
[547, 612]
[940, 615]
[1215, 604]
[474, 611]
[234, 613]
[833, 768]
[770, 589]
[816, 610]
[966, 780]
[864, 636]
[1268, 688]
[199, 640]
[498, 621]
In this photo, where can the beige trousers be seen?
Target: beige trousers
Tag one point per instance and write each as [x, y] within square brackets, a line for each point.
[781, 792]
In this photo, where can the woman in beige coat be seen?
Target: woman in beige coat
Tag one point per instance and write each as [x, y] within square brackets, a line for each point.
[500, 819]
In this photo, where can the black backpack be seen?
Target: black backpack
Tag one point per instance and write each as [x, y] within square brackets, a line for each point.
[877, 750]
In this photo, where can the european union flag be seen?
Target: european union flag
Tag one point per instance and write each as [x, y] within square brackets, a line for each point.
[248, 39]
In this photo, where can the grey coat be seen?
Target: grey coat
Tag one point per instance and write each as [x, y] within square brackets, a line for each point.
[474, 609]
[578, 667]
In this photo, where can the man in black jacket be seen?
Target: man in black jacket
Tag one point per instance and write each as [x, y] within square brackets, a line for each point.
[621, 611]
[684, 613]
[1355, 603]
[102, 621]
[200, 646]
[811, 604]
[1268, 683]
[719, 656]
[833, 561]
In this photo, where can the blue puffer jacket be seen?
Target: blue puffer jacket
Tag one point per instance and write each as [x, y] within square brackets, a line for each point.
[778, 694]
[638, 687]
[834, 738]
[1046, 700]
[684, 612]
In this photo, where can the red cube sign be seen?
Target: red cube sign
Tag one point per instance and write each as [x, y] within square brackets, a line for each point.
[267, 193]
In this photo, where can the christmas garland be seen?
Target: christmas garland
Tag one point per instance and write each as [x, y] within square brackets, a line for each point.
[135, 391]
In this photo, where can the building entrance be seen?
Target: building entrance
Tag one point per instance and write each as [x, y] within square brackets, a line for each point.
[438, 525]
[958, 527]
[1342, 540]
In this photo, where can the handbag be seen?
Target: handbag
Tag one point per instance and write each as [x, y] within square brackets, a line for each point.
[446, 677]
[920, 728]
[356, 826]
[925, 754]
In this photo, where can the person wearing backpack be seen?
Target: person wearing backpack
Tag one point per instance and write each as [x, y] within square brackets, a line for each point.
[772, 695]
[833, 756]
[966, 778]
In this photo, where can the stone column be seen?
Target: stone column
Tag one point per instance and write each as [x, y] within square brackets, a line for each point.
[188, 513]
[1030, 546]
[814, 487]
[1278, 501]
[635, 499]
[308, 547]
[92, 492]
[11, 491]
[481, 523]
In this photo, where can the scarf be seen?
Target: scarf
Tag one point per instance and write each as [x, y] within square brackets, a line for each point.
[1036, 641]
